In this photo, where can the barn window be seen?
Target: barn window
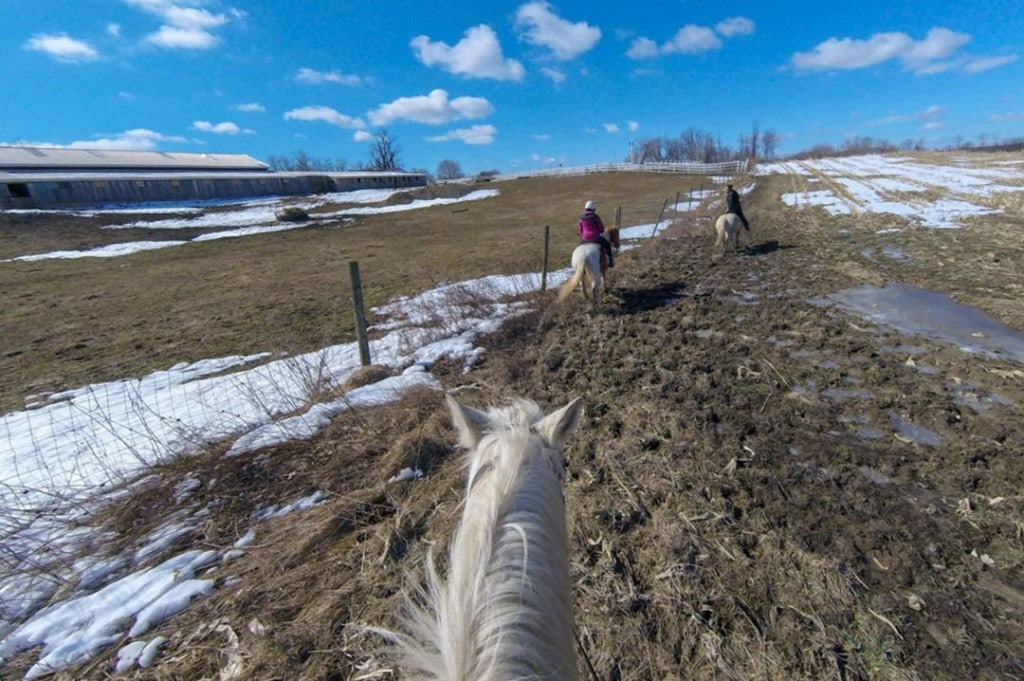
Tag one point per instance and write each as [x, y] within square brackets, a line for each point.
[19, 191]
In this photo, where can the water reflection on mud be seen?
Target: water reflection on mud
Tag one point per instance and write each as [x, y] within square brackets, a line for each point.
[917, 311]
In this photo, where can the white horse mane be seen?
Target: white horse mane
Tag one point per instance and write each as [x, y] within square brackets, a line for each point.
[505, 611]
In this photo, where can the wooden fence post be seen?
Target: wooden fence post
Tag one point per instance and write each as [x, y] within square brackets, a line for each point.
[654, 233]
[618, 217]
[544, 265]
[357, 304]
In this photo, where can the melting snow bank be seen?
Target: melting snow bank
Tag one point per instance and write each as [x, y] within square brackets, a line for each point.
[885, 184]
[247, 218]
[84, 439]
[917, 311]
[74, 630]
[69, 445]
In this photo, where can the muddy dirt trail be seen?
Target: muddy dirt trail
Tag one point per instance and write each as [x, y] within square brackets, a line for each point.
[766, 487]
[763, 486]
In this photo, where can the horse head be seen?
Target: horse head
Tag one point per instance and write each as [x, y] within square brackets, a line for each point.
[504, 611]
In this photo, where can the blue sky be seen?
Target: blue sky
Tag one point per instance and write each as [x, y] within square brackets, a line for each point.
[502, 85]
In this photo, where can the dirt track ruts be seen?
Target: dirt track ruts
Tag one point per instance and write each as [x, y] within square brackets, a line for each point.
[742, 503]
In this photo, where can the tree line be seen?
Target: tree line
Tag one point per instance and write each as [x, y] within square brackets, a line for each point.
[384, 156]
[699, 146]
[692, 145]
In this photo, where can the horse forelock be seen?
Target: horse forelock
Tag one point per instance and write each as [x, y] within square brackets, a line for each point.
[508, 438]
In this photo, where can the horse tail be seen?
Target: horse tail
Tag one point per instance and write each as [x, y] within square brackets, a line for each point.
[574, 280]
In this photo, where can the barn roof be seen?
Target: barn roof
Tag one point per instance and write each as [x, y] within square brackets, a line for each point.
[49, 159]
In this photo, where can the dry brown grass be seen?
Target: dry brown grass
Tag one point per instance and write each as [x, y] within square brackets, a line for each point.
[722, 522]
[71, 322]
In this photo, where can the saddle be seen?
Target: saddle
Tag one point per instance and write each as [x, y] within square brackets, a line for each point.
[605, 260]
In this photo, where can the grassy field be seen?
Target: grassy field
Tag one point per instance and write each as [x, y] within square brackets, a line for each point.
[71, 322]
[743, 498]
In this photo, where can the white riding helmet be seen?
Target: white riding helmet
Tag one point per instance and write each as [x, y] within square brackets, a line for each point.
[589, 205]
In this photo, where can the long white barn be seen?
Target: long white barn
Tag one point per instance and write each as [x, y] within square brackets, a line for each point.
[33, 177]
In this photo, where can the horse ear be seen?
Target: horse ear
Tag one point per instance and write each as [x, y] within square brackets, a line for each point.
[468, 421]
[557, 427]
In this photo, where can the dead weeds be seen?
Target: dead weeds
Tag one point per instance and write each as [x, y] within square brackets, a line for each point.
[719, 529]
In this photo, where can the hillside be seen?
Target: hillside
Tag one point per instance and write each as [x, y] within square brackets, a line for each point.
[765, 485]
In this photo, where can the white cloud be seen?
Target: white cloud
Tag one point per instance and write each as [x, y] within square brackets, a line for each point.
[1008, 116]
[929, 117]
[186, 26]
[548, 160]
[362, 136]
[478, 134]
[554, 75]
[633, 126]
[325, 114]
[539, 26]
[306, 75]
[610, 127]
[175, 37]
[691, 39]
[887, 120]
[642, 48]
[251, 107]
[62, 48]
[735, 26]
[191, 17]
[114, 30]
[541, 136]
[138, 139]
[225, 128]
[933, 125]
[433, 109]
[922, 57]
[939, 44]
[477, 55]
[988, 63]
[847, 53]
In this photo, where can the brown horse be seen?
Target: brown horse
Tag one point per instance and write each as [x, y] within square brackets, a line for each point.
[613, 239]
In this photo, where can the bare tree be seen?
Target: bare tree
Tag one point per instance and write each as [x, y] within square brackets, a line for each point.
[279, 163]
[449, 170]
[755, 139]
[769, 144]
[301, 161]
[744, 145]
[692, 142]
[649, 151]
[384, 153]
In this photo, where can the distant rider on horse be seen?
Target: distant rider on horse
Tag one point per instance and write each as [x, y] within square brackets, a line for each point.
[732, 205]
[592, 229]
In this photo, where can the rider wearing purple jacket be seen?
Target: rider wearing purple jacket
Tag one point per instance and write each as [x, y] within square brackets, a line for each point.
[592, 229]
